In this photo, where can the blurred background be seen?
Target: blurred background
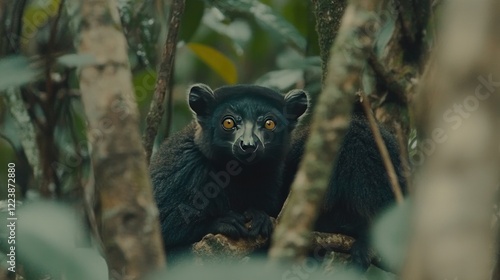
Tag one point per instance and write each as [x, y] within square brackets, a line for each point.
[414, 80]
[271, 43]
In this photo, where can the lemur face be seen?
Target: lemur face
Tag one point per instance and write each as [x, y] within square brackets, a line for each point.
[250, 129]
[248, 123]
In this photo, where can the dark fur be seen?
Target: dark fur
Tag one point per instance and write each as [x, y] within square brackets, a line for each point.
[185, 187]
[359, 188]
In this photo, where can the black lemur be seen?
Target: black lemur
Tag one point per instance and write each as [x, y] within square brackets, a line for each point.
[224, 170]
[359, 187]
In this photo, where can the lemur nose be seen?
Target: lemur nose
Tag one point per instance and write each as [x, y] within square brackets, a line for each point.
[248, 147]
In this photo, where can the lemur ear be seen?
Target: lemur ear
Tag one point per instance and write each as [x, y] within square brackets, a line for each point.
[200, 97]
[296, 104]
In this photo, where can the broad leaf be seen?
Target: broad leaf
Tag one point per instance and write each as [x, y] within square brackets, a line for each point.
[256, 268]
[384, 36]
[36, 15]
[45, 242]
[280, 79]
[390, 235]
[217, 61]
[193, 13]
[291, 59]
[16, 71]
[238, 30]
[266, 17]
[76, 60]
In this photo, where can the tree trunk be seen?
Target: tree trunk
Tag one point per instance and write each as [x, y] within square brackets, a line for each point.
[328, 16]
[458, 130]
[331, 118]
[126, 211]
[399, 61]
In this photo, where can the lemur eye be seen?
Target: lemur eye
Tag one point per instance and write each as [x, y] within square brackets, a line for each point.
[269, 124]
[228, 123]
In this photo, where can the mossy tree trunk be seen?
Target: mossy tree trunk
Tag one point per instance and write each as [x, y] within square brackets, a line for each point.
[328, 16]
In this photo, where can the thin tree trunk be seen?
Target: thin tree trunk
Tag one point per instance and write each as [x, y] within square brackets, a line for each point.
[164, 81]
[328, 16]
[331, 118]
[127, 213]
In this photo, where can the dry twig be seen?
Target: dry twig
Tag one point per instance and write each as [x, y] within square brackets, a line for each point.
[164, 81]
[391, 172]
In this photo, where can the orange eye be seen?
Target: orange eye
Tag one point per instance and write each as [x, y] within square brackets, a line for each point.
[228, 123]
[270, 125]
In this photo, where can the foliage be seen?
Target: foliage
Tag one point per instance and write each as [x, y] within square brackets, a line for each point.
[217, 61]
[47, 245]
[268, 42]
[221, 42]
[390, 235]
[16, 71]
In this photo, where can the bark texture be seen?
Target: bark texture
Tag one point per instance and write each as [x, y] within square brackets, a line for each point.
[389, 167]
[219, 247]
[330, 121]
[398, 64]
[328, 16]
[126, 211]
[457, 182]
[164, 80]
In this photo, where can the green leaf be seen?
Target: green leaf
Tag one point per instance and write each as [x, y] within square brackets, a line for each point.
[36, 15]
[256, 268]
[38, 12]
[193, 13]
[280, 79]
[238, 30]
[291, 59]
[144, 86]
[217, 61]
[384, 36]
[390, 235]
[16, 71]
[76, 60]
[266, 17]
[45, 241]
[301, 20]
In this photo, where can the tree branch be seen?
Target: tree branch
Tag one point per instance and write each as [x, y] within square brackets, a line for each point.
[389, 167]
[214, 248]
[403, 154]
[388, 80]
[331, 118]
[164, 81]
[328, 15]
